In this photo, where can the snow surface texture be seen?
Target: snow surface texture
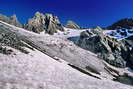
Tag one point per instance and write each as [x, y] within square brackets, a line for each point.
[120, 33]
[36, 70]
[69, 32]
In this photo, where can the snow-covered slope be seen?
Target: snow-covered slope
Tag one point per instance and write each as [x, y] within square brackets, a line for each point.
[64, 49]
[38, 70]
[69, 32]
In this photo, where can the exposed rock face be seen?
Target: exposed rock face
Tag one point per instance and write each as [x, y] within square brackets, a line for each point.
[14, 21]
[130, 41]
[36, 24]
[11, 20]
[73, 25]
[40, 22]
[124, 23]
[12, 40]
[113, 51]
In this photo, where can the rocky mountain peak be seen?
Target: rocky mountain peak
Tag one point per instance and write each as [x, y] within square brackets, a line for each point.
[11, 20]
[14, 21]
[44, 22]
[53, 18]
[13, 17]
[35, 24]
[37, 14]
[3, 18]
[71, 24]
[126, 23]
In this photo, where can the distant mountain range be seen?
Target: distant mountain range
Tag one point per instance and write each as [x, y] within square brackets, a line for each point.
[47, 22]
[40, 22]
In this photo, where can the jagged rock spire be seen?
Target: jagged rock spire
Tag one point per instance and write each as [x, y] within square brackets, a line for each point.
[14, 21]
[44, 22]
[71, 24]
[11, 20]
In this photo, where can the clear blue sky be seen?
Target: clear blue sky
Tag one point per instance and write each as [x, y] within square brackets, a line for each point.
[86, 13]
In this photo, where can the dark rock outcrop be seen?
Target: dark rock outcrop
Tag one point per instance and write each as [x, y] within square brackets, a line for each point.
[44, 22]
[115, 52]
[10, 39]
[130, 41]
[71, 24]
[123, 23]
[11, 20]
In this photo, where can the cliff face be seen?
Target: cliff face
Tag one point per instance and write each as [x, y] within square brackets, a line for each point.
[44, 22]
[115, 52]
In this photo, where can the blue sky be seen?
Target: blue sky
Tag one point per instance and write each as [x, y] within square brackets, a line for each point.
[86, 13]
